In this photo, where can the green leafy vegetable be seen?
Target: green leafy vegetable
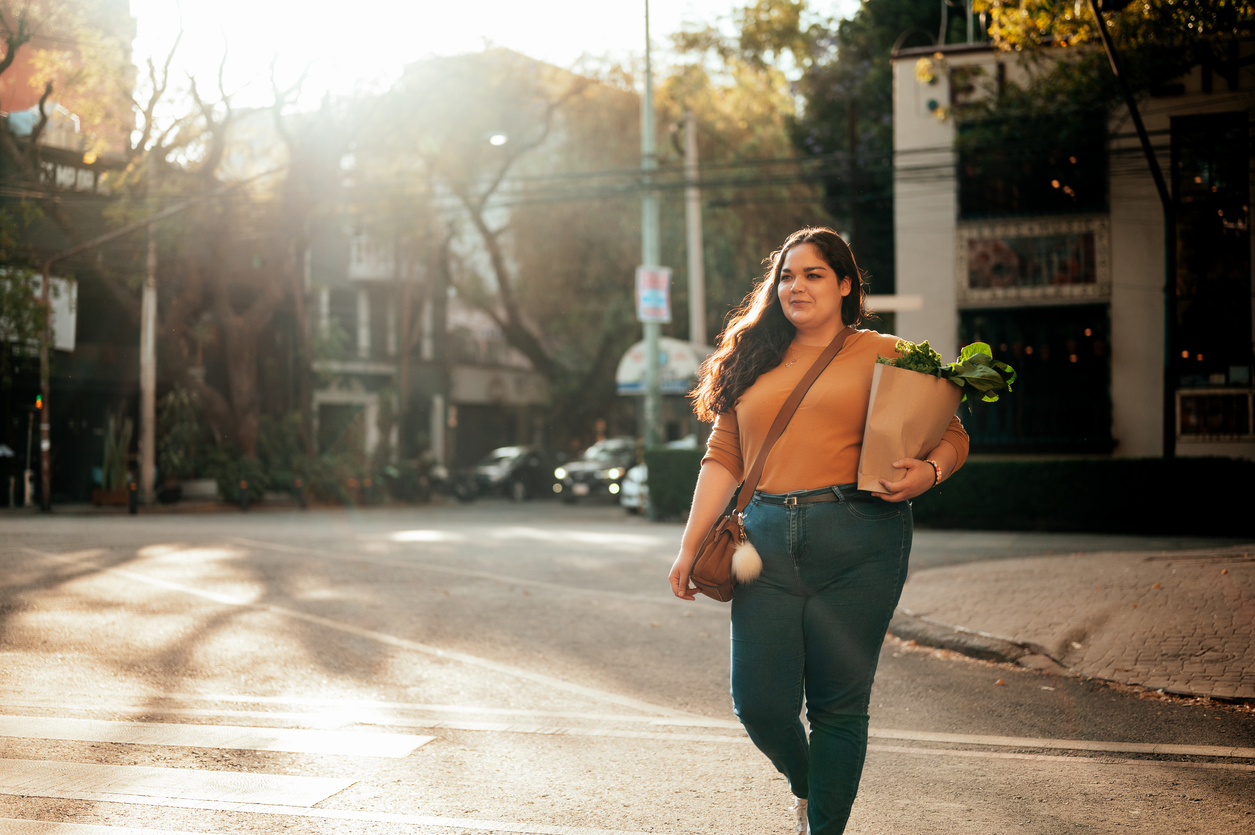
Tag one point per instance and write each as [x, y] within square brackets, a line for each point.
[975, 369]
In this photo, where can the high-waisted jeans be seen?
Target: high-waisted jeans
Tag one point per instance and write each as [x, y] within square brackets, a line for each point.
[813, 622]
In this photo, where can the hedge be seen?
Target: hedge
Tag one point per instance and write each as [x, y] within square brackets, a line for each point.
[1197, 496]
[1194, 496]
[672, 477]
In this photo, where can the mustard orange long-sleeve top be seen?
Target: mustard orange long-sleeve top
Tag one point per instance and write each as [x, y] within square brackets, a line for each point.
[822, 442]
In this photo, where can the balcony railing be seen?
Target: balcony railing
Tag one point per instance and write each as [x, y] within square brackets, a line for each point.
[1216, 414]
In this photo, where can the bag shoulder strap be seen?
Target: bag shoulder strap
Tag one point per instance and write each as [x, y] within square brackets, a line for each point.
[786, 414]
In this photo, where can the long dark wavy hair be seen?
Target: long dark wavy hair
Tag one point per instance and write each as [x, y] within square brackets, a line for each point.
[758, 333]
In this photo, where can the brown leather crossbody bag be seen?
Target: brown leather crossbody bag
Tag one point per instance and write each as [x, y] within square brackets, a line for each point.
[712, 573]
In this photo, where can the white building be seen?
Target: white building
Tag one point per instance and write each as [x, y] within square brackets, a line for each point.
[1057, 258]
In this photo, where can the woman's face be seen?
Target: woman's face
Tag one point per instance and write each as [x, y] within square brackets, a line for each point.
[810, 292]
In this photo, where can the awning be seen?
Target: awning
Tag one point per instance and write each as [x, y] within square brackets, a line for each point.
[678, 365]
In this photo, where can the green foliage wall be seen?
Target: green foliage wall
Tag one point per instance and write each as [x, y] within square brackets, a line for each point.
[672, 477]
[1197, 496]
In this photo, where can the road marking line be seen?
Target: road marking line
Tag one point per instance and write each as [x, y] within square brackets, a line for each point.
[43, 778]
[389, 640]
[462, 572]
[348, 743]
[350, 705]
[337, 814]
[349, 713]
[15, 826]
[1051, 758]
[353, 712]
[1070, 744]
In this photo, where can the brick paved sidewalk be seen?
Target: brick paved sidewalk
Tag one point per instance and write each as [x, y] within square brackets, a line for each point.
[1182, 621]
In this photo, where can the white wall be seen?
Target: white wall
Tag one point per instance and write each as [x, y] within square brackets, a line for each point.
[1137, 300]
[925, 209]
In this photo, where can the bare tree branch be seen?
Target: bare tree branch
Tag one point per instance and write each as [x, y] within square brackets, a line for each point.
[155, 96]
[216, 128]
[551, 107]
[14, 40]
[282, 98]
[32, 147]
[509, 318]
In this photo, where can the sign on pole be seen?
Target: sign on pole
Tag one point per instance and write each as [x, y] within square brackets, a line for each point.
[653, 294]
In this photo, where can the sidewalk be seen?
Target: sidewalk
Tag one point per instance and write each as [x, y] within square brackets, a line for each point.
[1180, 621]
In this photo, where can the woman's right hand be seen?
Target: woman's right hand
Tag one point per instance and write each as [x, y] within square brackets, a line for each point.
[715, 486]
[681, 587]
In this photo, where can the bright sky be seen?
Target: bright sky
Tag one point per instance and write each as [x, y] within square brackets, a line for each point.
[364, 43]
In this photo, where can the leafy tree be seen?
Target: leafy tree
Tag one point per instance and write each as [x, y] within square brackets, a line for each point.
[1158, 40]
[842, 119]
[230, 263]
[494, 159]
[21, 319]
[754, 190]
[847, 86]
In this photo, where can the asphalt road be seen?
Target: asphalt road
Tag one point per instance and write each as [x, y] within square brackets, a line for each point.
[507, 667]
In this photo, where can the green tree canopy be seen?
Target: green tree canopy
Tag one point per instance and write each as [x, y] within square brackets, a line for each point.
[1158, 41]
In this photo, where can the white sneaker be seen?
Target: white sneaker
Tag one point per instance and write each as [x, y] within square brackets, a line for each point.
[799, 810]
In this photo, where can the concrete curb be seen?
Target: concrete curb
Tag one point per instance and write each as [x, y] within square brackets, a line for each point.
[911, 627]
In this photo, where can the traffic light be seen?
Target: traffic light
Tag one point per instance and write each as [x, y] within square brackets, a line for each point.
[39, 401]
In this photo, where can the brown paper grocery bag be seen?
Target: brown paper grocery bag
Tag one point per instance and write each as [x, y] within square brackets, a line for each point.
[907, 416]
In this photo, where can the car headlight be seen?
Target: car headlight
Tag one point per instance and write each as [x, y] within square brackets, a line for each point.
[612, 473]
[559, 473]
[614, 488]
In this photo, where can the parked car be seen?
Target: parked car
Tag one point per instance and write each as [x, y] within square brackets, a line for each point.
[598, 472]
[634, 492]
[517, 472]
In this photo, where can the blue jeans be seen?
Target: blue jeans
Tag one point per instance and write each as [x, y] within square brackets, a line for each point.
[813, 622]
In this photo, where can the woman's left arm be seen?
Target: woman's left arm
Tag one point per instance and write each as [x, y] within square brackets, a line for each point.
[920, 474]
[949, 455]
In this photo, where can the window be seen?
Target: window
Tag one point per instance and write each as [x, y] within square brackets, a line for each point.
[1061, 402]
[1012, 260]
[1211, 186]
[1220, 414]
[1042, 166]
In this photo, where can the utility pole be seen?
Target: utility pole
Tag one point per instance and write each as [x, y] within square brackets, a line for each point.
[650, 250]
[851, 136]
[693, 224]
[45, 388]
[148, 363]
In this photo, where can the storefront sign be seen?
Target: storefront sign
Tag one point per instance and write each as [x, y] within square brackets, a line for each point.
[653, 294]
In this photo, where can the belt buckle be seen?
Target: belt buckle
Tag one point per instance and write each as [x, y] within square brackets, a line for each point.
[790, 501]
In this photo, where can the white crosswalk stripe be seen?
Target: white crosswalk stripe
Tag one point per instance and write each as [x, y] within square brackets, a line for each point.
[350, 743]
[27, 827]
[43, 778]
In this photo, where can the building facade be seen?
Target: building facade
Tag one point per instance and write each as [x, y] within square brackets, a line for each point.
[1051, 245]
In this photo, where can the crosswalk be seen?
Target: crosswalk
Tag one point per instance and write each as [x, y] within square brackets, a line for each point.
[180, 789]
[27, 827]
[213, 736]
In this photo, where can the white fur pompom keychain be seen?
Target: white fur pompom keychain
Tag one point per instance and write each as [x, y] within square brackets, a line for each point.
[746, 563]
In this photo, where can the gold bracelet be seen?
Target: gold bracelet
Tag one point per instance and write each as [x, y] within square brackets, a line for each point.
[936, 471]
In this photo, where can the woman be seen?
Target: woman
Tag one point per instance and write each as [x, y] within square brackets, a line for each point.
[833, 560]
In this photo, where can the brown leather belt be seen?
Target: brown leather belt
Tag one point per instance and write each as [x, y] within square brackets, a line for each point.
[837, 493]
